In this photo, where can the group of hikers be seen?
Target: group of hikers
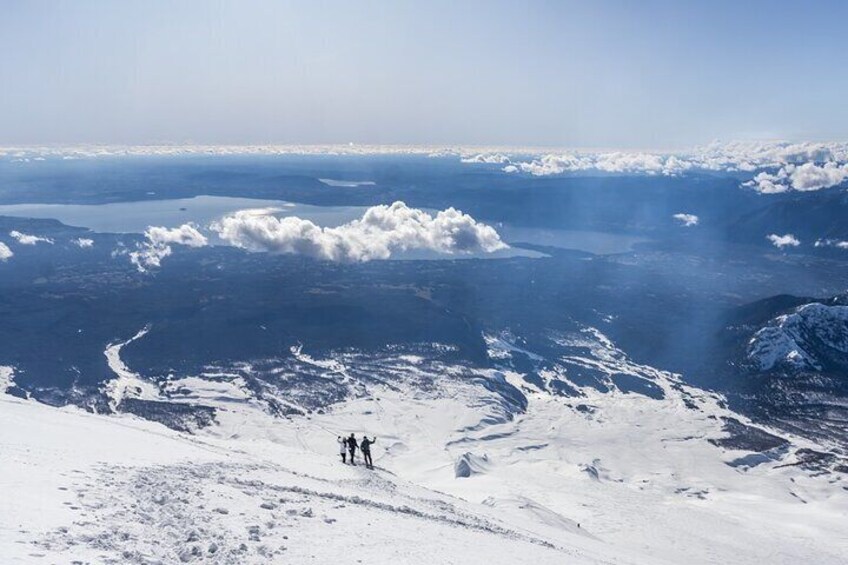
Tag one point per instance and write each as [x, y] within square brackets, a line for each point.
[349, 445]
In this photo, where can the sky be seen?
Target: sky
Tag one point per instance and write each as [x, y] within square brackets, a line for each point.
[593, 74]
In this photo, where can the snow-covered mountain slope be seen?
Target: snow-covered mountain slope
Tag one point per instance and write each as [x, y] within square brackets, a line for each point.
[810, 337]
[593, 477]
[793, 366]
[87, 488]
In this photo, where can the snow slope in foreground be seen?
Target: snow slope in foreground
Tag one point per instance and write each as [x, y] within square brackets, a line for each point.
[636, 474]
[88, 488]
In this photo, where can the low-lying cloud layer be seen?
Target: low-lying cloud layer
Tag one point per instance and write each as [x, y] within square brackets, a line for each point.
[381, 232]
[617, 162]
[786, 240]
[26, 239]
[779, 166]
[487, 158]
[782, 166]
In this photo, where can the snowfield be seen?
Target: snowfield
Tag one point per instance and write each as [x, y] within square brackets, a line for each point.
[88, 488]
[466, 472]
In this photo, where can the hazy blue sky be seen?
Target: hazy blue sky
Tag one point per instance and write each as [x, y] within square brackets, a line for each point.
[584, 74]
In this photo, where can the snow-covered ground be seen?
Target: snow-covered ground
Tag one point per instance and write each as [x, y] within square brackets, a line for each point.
[791, 340]
[127, 383]
[462, 476]
[91, 488]
[7, 378]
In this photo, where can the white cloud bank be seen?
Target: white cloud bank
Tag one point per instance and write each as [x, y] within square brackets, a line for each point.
[158, 245]
[615, 162]
[486, 158]
[805, 177]
[26, 239]
[32, 153]
[5, 252]
[782, 166]
[786, 240]
[687, 220]
[382, 231]
[83, 242]
[812, 177]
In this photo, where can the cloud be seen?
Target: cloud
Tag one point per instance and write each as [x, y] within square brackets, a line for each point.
[805, 177]
[83, 242]
[5, 252]
[687, 220]
[186, 234]
[551, 165]
[839, 244]
[486, 158]
[641, 163]
[786, 240]
[38, 153]
[768, 183]
[818, 165]
[382, 231]
[158, 245]
[613, 162]
[26, 239]
[779, 166]
[810, 176]
[752, 155]
[149, 256]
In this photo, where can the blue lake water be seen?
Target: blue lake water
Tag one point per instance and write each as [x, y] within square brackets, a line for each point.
[135, 217]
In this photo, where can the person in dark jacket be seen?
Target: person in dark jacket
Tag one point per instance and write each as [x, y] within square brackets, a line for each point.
[352, 445]
[342, 447]
[365, 446]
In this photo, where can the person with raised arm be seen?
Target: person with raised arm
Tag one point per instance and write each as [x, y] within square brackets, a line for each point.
[365, 446]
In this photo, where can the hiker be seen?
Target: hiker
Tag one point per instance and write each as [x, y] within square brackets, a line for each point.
[365, 446]
[352, 445]
[342, 447]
